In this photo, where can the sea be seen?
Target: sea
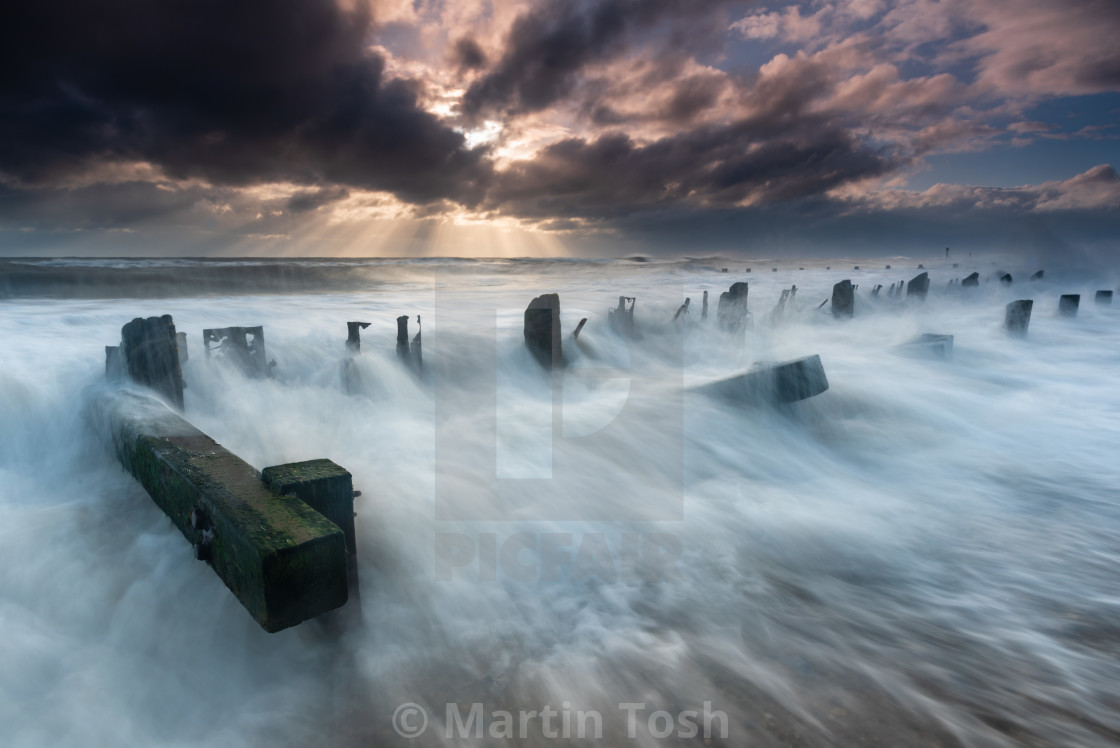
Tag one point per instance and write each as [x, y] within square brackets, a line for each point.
[925, 554]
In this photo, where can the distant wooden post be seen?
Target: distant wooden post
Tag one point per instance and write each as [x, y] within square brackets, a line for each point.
[1018, 317]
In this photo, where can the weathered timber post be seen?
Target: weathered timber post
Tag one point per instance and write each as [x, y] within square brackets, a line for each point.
[1103, 297]
[918, 285]
[784, 382]
[1006, 279]
[1018, 317]
[1068, 303]
[971, 280]
[354, 336]
[704, 309]
[329, 490]
[283, 561]
[844, 298]
[1038, 276]
[403, 352]
[575, 333]
[242, 345]
[621, 318]
[149, 356]
[542, 330]
[731, 311]
[682, 309]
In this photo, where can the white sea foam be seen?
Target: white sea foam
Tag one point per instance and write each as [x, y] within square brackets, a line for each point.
[926, 552]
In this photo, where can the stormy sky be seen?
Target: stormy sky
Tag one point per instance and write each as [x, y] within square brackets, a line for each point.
[593, 127]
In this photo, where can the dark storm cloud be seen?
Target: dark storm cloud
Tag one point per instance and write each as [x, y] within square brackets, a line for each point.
[302, 202]
[550, 45]
[467, 54]
[711, 166]
[235, 92]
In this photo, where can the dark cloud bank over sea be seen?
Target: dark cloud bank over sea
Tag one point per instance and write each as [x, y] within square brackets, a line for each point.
[161, 128]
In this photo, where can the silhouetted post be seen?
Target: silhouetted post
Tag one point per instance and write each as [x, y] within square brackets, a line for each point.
[242, 345]
[918, 286]
[704, 310]
[582, 322]
[542, 330]
[354, 336]
[1103, 297]
[731, 311]
[1037, 276]
[683, 309]
[1068, 303]
[1018, 317]
[843, 299]
[150, 356]
[970, 281]
[403, 352]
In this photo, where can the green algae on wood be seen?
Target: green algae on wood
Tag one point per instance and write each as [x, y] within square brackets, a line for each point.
[283, 560]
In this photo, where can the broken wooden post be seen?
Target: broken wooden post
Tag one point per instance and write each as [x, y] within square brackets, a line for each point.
[283, 561]
[1037, 276]
[1018, 316]
[1006, 279]
[918, 286]
[354, 336]
[844, 299]
[149, 356]
[875, 291]
[731, 311]
[329, 490]
[1068, 303]
[403, 352]
[971, 280]
[542, 330]
[582, 322]
[1103, 297]
[242, 345]
[784, 382]
[704, 310]
[682, 309]
[621, 318]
